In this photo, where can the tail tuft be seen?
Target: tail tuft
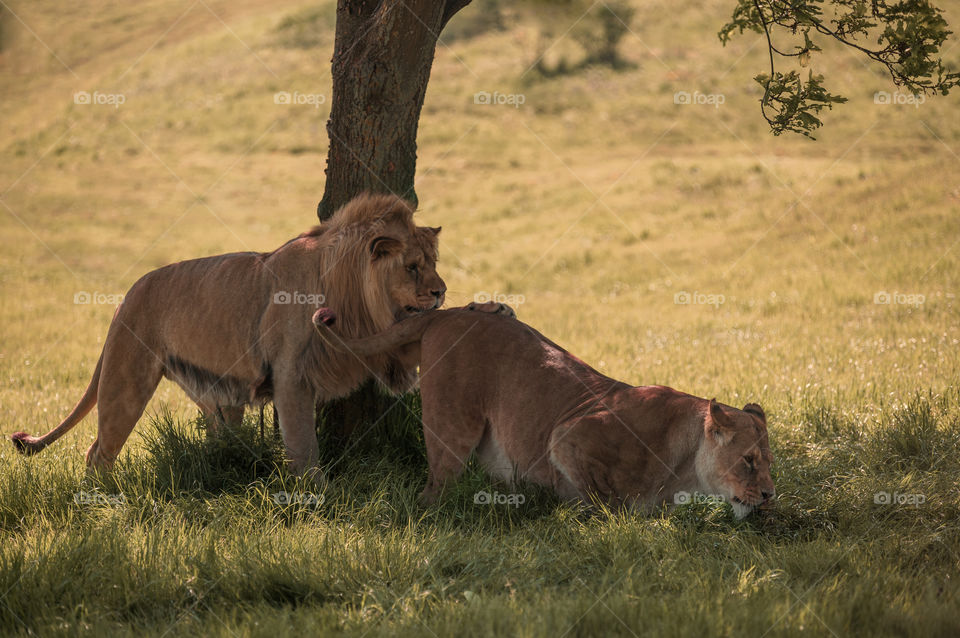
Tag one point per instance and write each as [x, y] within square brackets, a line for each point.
[324, 316]
[26, 444]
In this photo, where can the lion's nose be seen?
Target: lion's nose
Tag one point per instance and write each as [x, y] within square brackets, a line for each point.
[438, 293]
[766, 495]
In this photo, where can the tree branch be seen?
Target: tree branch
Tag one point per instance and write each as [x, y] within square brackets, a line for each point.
[450, 9]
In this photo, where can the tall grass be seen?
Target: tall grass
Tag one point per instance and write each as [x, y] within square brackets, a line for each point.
[201, 539]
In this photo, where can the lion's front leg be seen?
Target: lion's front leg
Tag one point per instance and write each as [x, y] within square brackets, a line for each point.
[295, 411]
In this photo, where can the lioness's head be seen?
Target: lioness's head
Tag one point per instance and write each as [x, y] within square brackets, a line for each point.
[734, 460]
[389, 264]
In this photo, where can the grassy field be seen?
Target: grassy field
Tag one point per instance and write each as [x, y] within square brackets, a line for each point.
[663, 243]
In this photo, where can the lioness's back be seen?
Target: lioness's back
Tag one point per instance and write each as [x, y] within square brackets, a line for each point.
[499, 360]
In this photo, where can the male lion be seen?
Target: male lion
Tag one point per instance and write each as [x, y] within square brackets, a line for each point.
[235, 329]
[532, 410]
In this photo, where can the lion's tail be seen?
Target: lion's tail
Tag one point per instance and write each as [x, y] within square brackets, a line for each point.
[27, 444]
[399, 334]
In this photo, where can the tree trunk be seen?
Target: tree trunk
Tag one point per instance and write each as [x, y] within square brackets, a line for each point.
[382, 57]
[383, 53]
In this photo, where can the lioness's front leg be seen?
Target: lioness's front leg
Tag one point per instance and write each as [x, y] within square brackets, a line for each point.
[295, 405]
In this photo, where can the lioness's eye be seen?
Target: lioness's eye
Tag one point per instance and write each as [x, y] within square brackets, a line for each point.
[750, 463]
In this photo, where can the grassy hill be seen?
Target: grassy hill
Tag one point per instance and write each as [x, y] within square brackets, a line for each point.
[662, 242]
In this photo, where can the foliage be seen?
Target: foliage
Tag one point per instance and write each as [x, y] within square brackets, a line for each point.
[909, 35]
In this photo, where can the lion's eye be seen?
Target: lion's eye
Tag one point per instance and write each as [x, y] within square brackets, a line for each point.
[413, 268]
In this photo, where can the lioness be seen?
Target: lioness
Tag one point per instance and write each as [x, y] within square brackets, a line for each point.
[532, 410]
[235, 329]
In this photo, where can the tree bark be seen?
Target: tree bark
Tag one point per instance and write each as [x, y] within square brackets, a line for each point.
[383, 53]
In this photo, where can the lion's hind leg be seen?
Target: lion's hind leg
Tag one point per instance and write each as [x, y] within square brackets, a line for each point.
[130, 375]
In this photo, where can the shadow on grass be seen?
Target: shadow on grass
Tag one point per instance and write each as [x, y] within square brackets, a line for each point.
[828, 477]
[376, 473]
[181, 456]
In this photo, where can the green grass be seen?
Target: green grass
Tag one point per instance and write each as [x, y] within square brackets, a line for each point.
[201, 544]
[792, 242]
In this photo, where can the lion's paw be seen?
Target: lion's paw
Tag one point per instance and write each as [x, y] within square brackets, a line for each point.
[492, 307]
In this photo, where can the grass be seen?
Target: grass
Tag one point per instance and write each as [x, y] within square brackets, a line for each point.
[598, 204]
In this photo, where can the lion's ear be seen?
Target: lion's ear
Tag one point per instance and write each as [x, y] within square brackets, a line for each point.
[718, 424]
[756, 411]
[435, 231]
[384, 246]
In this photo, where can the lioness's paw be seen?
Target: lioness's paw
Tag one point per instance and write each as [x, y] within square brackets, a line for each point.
[427, 497]
[492, 307]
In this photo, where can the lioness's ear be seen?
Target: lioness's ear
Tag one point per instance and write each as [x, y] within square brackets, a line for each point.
[718, 424]
[755, 410]
[384, 246]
